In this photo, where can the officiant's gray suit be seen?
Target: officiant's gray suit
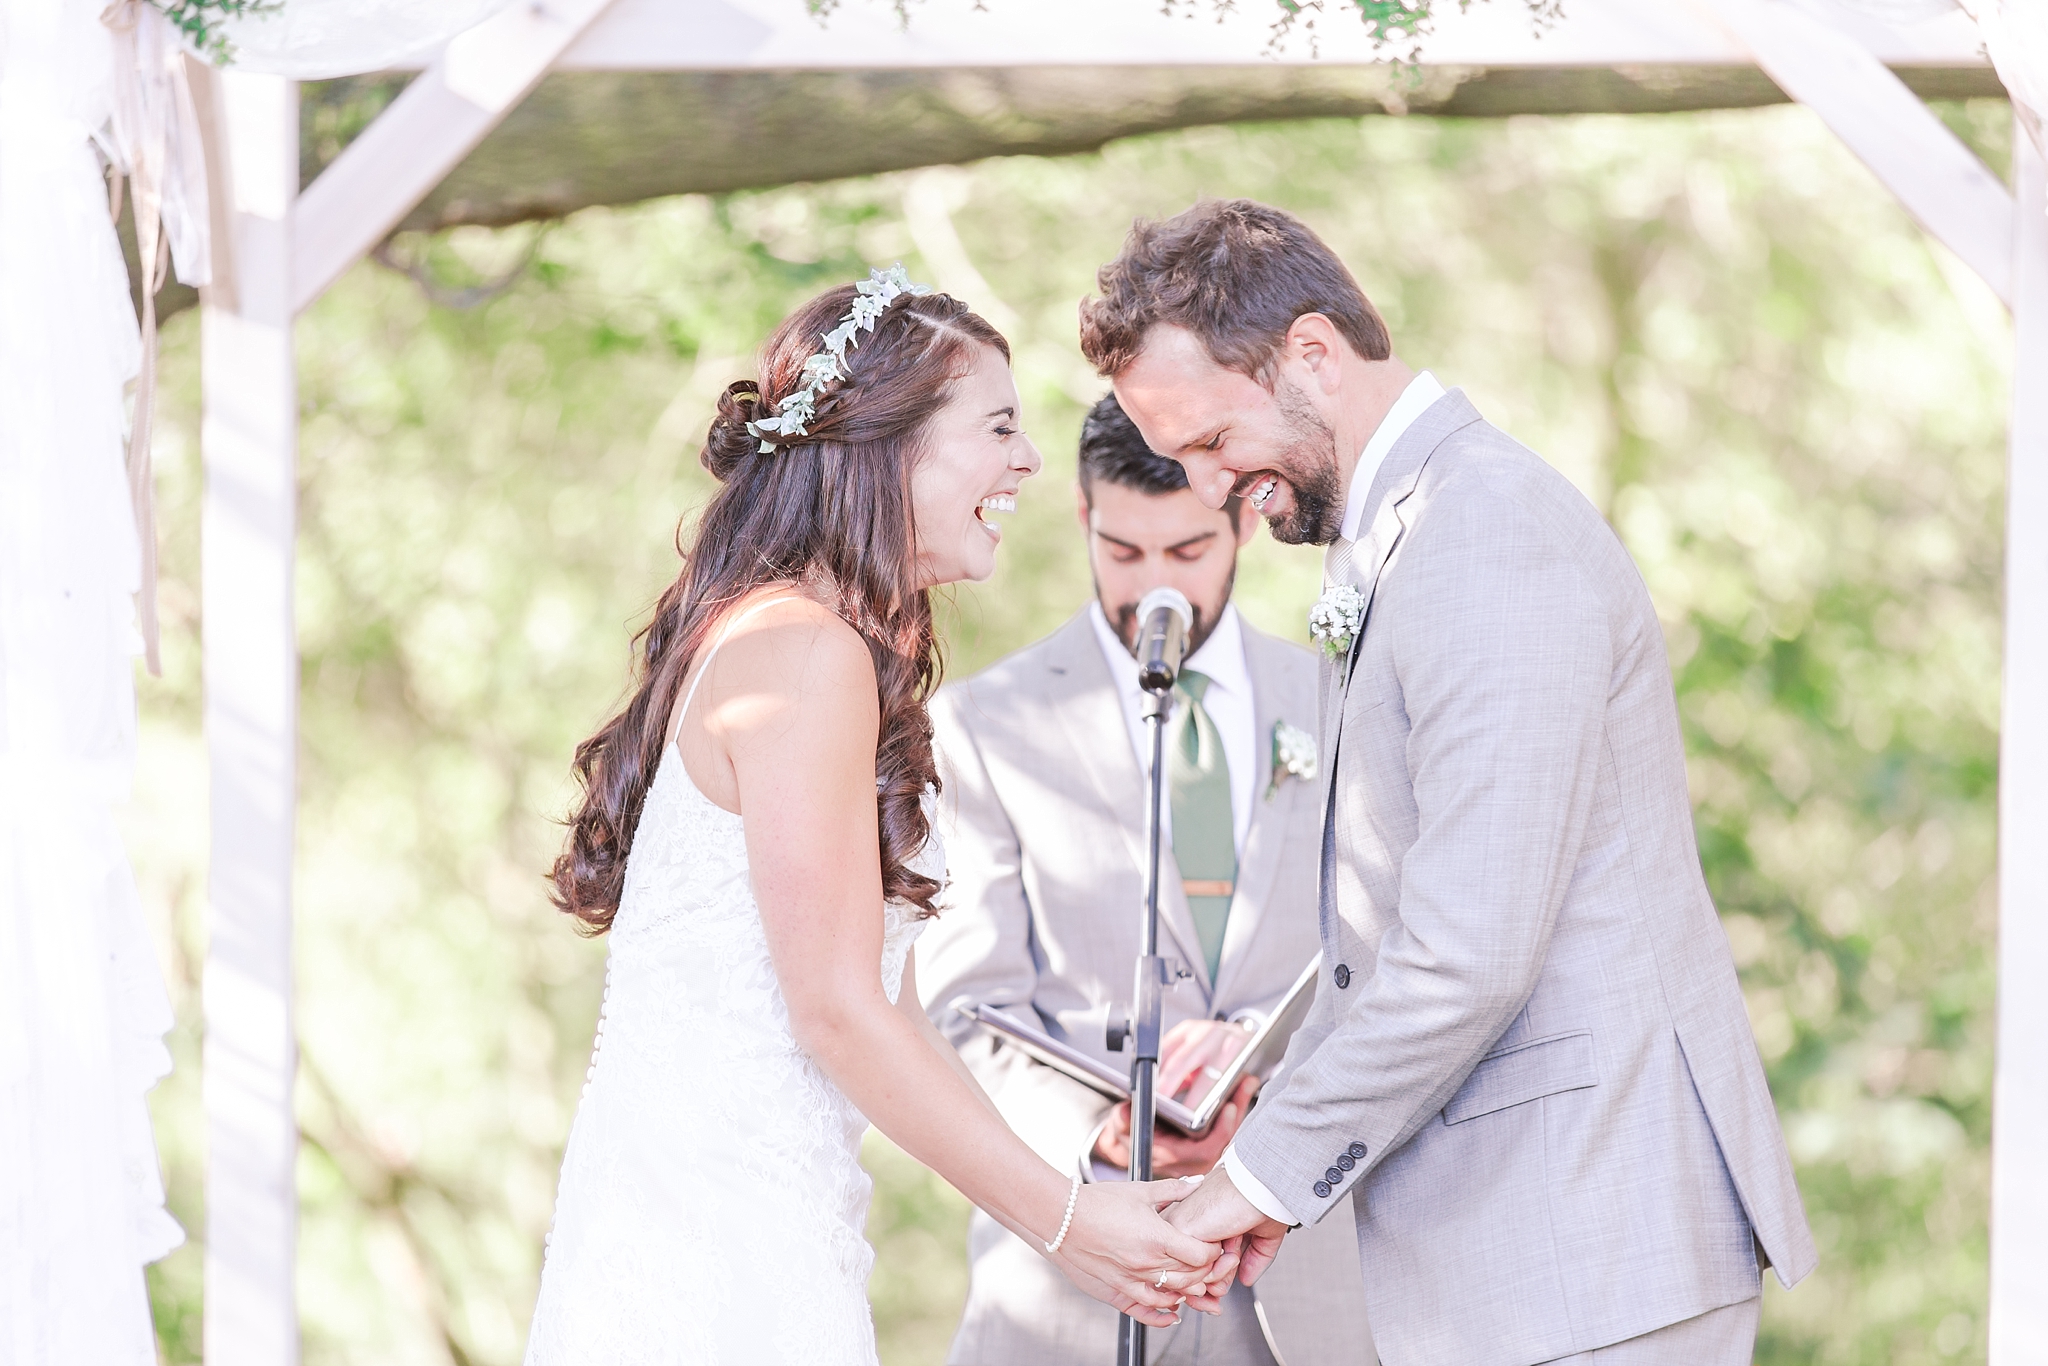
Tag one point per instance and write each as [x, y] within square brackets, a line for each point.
[1041, 812]
[1534, 1074]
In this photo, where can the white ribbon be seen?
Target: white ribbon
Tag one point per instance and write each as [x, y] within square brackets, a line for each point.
[154, 139]
[2016, 37]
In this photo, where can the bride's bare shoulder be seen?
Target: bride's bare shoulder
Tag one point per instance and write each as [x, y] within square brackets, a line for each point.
[785, 639]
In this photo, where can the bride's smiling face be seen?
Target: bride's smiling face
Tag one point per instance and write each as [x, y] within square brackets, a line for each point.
[976, 454]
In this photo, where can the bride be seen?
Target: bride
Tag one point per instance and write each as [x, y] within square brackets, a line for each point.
[755, 832]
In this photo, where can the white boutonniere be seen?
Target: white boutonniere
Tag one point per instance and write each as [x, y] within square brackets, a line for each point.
[1294, 756]
[1334, 621]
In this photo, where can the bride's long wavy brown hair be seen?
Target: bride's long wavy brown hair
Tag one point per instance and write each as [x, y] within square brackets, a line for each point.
[829, 510]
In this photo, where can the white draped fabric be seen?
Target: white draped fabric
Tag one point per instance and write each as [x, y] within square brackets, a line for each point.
[83, 1011]
[82, 1006]
[315, 39]
[2016, 39]
[2015, 34]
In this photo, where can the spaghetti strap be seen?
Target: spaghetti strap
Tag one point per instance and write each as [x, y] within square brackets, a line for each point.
[704, 665]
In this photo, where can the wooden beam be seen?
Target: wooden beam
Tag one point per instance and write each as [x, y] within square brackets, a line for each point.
[2019, 1102]
[249, 436]
[425, 133]
[591, 137]
[611, 137]
[1939, 180]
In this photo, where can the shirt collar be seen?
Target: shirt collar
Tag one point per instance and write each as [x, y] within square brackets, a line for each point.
[1415, 400]
[1221, 658]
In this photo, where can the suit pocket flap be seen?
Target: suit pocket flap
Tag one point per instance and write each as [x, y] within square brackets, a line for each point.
[1529, 1071]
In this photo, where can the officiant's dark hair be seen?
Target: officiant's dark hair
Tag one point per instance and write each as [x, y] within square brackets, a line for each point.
[1234, 272]
[831, 510]
[1113, 450]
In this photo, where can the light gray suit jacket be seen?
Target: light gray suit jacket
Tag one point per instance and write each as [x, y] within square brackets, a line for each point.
[1042, 814]
[1538, 1077]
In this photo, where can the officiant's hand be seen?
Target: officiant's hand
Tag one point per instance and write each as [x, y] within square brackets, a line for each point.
[1218, 1211]
[1194, 1053]
[1175, 1154]
[1123, 1253]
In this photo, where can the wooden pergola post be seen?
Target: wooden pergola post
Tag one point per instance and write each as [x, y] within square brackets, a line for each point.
[249, 518]
[2019, 1099]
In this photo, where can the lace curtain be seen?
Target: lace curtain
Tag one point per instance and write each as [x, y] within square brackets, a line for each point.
[2016, 37]
[82, 1007]
[2015, 34]
[83, 1010]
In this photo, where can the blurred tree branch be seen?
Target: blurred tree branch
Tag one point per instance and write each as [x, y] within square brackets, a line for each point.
[386, 1186]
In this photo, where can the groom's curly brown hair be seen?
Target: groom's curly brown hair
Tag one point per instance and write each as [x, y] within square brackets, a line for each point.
[1234, 272]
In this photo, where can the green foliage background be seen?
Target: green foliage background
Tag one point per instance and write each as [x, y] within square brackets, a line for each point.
[1790, 404]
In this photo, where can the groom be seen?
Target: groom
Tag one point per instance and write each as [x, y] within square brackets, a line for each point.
[1532, 1062]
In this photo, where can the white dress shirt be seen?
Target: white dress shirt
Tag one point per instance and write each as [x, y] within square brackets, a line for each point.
[1228, 702]
[1422, 391]
[1415, 400]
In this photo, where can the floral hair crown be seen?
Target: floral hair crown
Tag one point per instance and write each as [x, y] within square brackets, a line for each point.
[875, 294]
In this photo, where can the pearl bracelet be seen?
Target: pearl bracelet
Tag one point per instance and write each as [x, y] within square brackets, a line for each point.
[1073, 1194]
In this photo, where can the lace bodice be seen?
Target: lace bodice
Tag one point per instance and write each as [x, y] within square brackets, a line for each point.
[713, 1170]
[705, 842]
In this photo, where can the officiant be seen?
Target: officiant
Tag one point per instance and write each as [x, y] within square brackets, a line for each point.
[1043, 757]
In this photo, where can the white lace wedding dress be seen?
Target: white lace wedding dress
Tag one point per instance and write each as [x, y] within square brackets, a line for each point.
[712, 1206]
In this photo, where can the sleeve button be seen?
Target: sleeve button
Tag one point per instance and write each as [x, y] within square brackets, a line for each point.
[1347, 1162]
[1322, 1189]
[1357, 1150]
[1334, 1175]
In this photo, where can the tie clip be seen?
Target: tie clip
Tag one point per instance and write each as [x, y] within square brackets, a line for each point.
[1207, 886]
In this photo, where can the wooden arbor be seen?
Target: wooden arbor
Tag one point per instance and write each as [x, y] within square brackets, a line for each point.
[278, 249]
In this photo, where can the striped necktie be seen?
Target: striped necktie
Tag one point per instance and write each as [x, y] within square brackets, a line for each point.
[1337, 562]
[1204, 835]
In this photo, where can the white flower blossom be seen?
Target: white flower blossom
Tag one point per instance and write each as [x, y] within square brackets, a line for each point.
[1294, 755]
[872, 298]
[1334, 621]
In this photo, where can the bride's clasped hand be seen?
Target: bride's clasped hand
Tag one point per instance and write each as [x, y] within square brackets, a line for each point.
[1117, 1235]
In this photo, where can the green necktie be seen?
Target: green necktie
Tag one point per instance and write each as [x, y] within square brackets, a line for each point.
[1204, 836]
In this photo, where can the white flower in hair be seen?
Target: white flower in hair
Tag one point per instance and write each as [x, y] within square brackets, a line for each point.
[871, 299]
[1334, 621]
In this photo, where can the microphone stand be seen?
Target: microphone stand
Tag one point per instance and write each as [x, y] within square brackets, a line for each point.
[1145, 1007]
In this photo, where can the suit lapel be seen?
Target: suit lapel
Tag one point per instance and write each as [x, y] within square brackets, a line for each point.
[1391, 486]
[1085, 704]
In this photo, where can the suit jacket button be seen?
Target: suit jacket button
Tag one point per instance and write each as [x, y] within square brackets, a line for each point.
[1322, 1189]
[1347, 1162]
[1357, 1150]
[1334, 1175]
[1343, 976]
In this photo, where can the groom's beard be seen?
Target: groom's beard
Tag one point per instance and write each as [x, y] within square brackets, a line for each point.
[1309, 465]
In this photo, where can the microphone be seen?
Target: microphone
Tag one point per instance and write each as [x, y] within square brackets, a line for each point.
[1164, 620]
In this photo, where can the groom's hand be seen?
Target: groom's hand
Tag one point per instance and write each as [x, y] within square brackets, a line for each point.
[1218, 1212]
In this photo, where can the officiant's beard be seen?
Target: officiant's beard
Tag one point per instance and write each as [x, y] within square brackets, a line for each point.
[1125, 618]
[1309, 465]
